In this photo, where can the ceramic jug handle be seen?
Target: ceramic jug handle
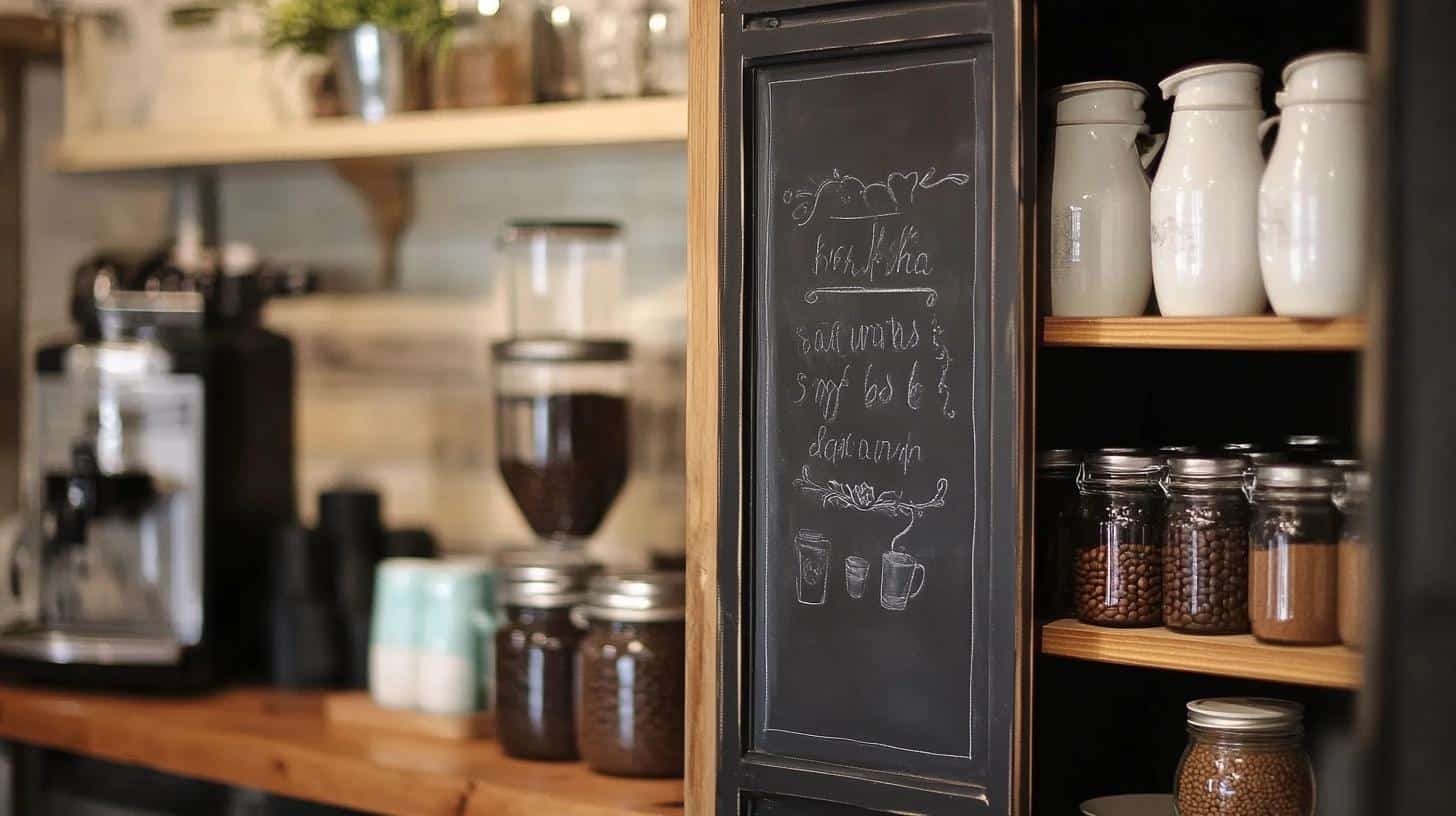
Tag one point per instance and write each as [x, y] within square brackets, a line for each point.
[1265, 125]
[1155, 143]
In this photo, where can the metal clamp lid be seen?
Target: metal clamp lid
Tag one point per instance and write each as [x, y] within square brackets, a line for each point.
[637, 597]
[1204, 471]
[560, 350]
[543, 578]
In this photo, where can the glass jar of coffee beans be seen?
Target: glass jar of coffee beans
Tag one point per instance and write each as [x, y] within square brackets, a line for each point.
[1206, 546]
[1118, 571]
[630, 682]
[535, 651]
[1056, 525]
[1293, 560]
[1244, 756]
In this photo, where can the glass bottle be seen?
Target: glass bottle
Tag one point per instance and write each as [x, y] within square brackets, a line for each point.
[664, 47]
[1205, 546]
[485, 59]
[1292, 555]
[1118, 576]
[1244, 756]
[630, 682]
[535, 651]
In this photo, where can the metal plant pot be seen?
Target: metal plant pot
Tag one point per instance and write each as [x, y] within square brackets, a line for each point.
[377, 71]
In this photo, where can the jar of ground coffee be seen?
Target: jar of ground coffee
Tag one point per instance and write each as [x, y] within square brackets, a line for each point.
[1352, 497]
[631, 676]
[1293, 562]
[1056, 523]
[1118, 570]
[535, 651]
[1244, 756]
[1205, 545]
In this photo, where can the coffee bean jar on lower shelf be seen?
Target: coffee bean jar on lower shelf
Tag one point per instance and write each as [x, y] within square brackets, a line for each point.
[535, 652]
[631, 675]
[1118, 572]
[1244, 758]
[1206, 546]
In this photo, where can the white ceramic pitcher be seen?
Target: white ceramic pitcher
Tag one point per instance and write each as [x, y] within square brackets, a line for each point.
[1205, 196]
[1313, 199]
[1100, 260]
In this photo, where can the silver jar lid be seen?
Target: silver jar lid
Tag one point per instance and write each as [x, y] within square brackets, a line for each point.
[560, 350]
[1288, 475]
[1240, 447]
[1192, 466]
[1177, 450]
[1343, 464]
[1120, 461]
[1246, 715]
[1058, 458]
[1310, 441]
[637, 597]
[590, 230]
[543, 578]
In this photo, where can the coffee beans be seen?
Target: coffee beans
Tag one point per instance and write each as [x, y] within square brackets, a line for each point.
[535, 654]
[1118, 576]
[630, 703]
[1206, 564]
[1221, 779]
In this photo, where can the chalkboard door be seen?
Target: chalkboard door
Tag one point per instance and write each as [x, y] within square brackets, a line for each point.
[871, 336]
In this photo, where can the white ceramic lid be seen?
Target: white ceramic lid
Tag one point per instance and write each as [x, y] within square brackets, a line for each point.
[1327, 76]
[1104, 101]
[1216, 85]
[1246, 715]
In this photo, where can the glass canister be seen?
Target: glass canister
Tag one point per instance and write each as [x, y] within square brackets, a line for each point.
[562, 431]
[1293, 561]
[1244, 756]
[664, 47]
[1056, 525]
[1352, 497]
[630, 678]
[557, 38]
[566, 278]
[1118, 575]
[485, 58]
[535, 651]
[1205, 546]
[612, 49]
[1311, 448]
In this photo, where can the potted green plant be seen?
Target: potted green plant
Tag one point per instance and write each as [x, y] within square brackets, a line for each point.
[376, 47]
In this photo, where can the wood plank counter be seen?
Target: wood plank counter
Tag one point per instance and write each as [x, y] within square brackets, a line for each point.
[280, 742]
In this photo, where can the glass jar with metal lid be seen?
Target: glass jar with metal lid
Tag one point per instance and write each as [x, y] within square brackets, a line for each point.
[1206, 545]
[631, 675]
[1244, 756]
[1293, 563]
[566, 278]
[1056, 525]
[1352, 497]
[562, 429]
[1311, 448]
[1118, 574]
[535, 651]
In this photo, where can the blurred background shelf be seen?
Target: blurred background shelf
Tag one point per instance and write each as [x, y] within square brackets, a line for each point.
[280, 742]
[1225, 655]
[1266, 333]
[564, 124]
[29, 34]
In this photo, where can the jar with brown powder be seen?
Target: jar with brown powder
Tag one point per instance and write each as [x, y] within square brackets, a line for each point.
[1292, 555]
[1352, 496]
[630, 679]
[535, 651]
[1244, 757]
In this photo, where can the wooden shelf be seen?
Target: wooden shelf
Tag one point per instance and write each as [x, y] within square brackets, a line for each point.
[279, 742]
[1268, 333]
[1226, 655]
[565, 124]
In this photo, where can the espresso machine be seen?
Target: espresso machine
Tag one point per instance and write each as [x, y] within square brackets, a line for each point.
[163, 466]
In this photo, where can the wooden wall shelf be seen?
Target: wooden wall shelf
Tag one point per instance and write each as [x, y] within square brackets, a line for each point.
[1267, 333]
[1226, 655]
[29, 34]
[280, 742]
[565, 124]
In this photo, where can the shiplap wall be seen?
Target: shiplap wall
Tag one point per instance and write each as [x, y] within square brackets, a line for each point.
[435, 463]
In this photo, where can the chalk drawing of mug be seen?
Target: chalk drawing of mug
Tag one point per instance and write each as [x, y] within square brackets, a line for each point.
[898, 571]
[856, 570]
[813, 549]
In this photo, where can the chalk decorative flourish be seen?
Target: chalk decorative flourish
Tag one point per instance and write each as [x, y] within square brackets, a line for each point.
[865, 498]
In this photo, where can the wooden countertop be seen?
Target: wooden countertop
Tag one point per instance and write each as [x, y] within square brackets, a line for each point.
[281, 743]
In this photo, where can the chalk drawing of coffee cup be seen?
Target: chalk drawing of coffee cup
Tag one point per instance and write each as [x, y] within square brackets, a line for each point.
[898, 572]
[856, 570]
[813, 548]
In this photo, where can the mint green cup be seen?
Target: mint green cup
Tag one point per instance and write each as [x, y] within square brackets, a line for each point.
[455, 669]
[394, 631]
